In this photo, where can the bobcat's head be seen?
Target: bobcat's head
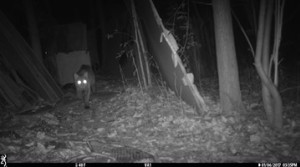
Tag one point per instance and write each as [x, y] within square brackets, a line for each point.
[81, 81]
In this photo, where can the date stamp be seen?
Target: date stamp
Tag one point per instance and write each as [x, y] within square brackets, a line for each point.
[277, 164]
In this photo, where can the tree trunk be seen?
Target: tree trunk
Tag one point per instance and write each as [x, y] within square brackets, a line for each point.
[230, 94]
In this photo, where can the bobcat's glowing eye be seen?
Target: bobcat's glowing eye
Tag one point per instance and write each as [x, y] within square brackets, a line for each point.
[84, 81]
[78, 82]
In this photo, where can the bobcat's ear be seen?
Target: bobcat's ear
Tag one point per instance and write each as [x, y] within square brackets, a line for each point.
[85, 74]
[76, 76]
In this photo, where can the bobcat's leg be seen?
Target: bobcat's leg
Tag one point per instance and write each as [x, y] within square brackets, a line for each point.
[87, 99]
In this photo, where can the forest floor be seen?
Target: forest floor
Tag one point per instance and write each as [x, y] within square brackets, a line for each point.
[127, 124]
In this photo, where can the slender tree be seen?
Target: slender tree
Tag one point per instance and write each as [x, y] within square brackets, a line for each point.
[264, 62]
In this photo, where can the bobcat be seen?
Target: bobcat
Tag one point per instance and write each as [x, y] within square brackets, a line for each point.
[85, 84]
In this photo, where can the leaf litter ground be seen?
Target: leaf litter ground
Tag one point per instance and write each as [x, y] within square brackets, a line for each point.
[126, 124]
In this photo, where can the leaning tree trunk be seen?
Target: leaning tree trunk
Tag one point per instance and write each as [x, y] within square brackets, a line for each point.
[230, 94]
